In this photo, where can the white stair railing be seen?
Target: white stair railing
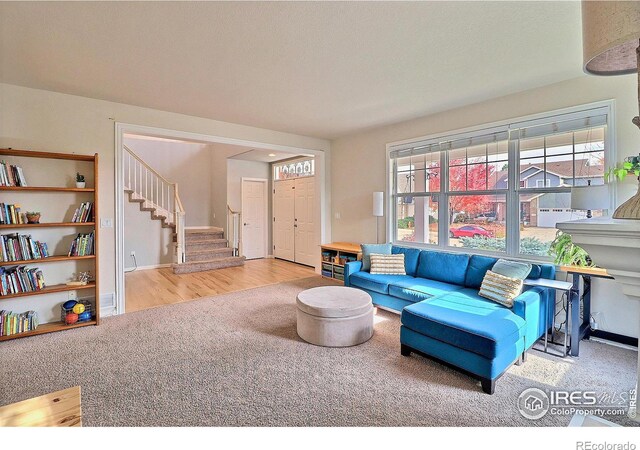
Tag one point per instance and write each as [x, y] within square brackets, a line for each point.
[158, 193]
[233, 230]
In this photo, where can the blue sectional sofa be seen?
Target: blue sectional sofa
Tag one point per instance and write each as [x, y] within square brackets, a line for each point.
[444, 318]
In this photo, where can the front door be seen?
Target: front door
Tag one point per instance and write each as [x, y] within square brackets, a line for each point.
[254, 218]
[283, 219]
[306, 251]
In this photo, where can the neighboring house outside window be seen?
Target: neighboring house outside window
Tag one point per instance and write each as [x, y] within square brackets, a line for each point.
[470, 205]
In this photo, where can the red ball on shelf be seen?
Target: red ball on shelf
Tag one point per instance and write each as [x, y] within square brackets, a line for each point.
[71, 318]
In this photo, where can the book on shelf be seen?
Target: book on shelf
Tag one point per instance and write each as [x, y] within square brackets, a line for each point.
[11, 175]
[84, 213]
[11, 215]
[19, 279]
[82, 245]
[19, 247]
[14, 323]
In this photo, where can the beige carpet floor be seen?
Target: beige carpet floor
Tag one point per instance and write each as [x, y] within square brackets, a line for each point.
[236, 359]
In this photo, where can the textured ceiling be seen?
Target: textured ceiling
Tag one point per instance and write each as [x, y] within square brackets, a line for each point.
[312, 68]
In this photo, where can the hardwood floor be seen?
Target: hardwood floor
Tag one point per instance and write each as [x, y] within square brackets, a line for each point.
[157, 287]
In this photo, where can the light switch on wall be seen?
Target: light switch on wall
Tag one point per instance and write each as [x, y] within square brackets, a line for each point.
[338, 216]
[106, 223]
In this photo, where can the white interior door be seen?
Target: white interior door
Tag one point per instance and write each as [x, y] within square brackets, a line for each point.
[283, 214]
[254, 218]
[305, 221]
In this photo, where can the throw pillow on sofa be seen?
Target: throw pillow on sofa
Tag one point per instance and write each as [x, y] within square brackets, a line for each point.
[368, 249]
[500, 289]
[504, 281]
[387, 264]
[512, 269]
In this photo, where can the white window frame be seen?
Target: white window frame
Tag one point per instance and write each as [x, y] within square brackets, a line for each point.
[512, 195]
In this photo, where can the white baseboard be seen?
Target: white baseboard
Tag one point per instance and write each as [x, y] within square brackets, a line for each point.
[154, 266]
[206, 227]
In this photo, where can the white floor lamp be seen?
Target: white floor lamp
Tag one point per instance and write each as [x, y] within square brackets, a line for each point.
[378, 210]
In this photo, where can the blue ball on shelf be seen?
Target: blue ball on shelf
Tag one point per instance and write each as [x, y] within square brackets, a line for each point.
[69, 304]
[83, 317]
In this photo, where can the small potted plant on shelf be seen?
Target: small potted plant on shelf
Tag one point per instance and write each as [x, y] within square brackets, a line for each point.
[33, 217]
[80, 183]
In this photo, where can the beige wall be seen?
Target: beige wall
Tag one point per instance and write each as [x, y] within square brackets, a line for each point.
[238, 169]
[188, 164]
[358, 161]
[363, 156]
[42, 120]
[152, 243]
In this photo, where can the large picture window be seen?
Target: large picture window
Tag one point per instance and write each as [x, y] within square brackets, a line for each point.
[500, 190]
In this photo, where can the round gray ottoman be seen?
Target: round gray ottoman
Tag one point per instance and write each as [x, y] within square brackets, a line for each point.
[335, 316]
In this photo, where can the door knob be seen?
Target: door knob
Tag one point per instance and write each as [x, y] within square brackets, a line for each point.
[245, 224]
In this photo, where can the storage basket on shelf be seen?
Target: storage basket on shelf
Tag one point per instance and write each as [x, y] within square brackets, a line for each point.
[72, 311]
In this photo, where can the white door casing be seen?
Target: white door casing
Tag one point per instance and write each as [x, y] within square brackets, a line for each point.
[305, 221]
[254, 218]
[284, 215]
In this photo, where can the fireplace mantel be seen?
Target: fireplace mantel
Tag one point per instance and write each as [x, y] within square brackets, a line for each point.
[613, 244]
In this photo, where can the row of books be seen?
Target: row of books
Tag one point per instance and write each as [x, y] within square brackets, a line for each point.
[19, 247]
[10, 214]
[82, 245]
[84, 213]
[14, 323]
[20, 279]
[11, 175]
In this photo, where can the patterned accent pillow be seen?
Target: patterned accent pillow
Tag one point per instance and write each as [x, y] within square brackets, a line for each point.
[500, 289]
[387, 264]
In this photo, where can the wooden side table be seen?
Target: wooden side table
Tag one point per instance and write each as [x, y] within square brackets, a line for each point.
[581, 329]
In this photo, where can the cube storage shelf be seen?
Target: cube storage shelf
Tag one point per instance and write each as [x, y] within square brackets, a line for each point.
[335, 256]
[95, 285]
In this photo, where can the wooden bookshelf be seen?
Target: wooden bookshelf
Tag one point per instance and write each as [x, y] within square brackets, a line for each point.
[332, 268]
[6, 191]
[45, 189]
[47, 225]
[45, 260]
[49, 328]
[50, 290]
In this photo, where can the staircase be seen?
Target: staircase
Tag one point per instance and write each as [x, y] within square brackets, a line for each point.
[196, 250]
[207, 250]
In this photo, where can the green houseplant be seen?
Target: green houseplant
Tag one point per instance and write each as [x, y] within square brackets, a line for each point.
[629, 166]
[631, 208]
[566, 253]
[80, 183]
